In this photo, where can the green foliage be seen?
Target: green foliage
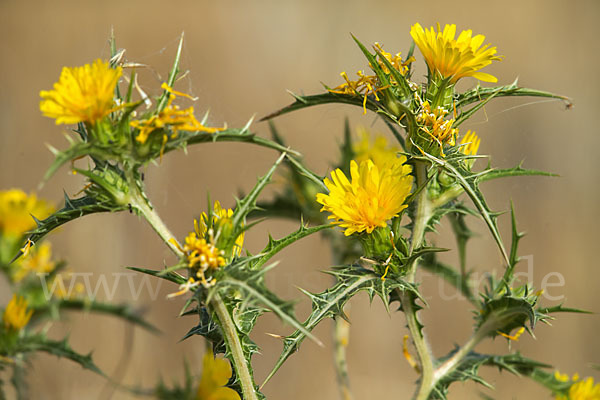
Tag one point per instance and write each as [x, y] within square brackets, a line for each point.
[350, 280]
[468, 369]
[61, 349]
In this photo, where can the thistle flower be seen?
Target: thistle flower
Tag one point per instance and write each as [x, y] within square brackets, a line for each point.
[215, 374]
[579, 389]
[16, 315]
[454, 58]
[221, 223]
[38, 261]
[369, 84]
[363, 86]
[82, 94]
[16, 209]
[172, 118]
[372, 198]
[437, 127]
[375, 148]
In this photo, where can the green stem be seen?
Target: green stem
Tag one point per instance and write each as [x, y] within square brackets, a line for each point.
[447, 196]
[340, 341]
[139, 201]
[423, 214]
[235, 347]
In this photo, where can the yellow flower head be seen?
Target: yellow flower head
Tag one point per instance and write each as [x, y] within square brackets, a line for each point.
[454, 58]
[82, 94]
[215, 374]
[222, 224]
[375, 148]
[373, 197]
[580, 389]
[16, 209]
[363, 86]
[38, 261]
[16, 315]
[436, 126]
[171, 117]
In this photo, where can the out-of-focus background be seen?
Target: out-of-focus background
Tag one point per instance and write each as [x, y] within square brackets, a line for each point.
[242, 56]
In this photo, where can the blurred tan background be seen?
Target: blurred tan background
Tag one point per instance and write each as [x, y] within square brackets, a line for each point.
[242, 57]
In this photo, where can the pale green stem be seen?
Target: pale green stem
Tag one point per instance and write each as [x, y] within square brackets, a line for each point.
[141, 203]
[235, 347]
[450, 364]
[340, 340]
[447, 196]
[423, 214]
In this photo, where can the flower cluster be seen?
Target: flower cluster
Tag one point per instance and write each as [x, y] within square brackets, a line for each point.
[172, 118]
[436, 126]
[207, 249]
[366, 85]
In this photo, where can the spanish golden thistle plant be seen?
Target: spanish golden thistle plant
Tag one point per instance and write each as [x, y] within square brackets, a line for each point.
[385, 197]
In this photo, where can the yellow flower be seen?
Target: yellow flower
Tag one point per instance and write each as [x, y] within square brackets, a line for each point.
[375, 148]
[435, 124]
[454, 58]
[580, 389]
[39, 261]
[16, 315]
[82, 94]
[215, 374]
[372, 198]
[396, 61]
[222, 223]
[363, 86]
[16, 209]
[171, 117]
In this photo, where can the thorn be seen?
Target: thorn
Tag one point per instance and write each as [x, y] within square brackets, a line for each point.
[275, 335]
[245, 128]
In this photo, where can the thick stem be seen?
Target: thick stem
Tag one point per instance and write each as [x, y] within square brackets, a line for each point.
[423, 214]
[235, 347]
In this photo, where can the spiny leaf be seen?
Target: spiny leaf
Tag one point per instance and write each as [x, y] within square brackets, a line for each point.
[324, 98]
[467, 179]
[171, 276]
[330, 303]
[73, 209]
[493, 173]
[275, 246]
[468, 369]
[480, 94]
[61, 348]
[261, 295]
[186, 138]
[162, 102]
